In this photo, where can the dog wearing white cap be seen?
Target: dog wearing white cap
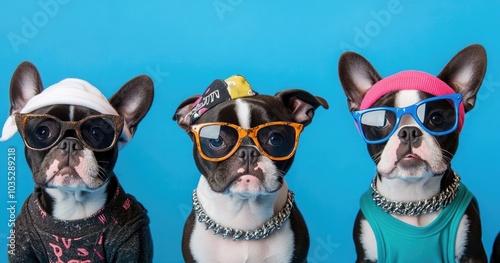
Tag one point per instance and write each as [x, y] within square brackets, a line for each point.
[78, 211]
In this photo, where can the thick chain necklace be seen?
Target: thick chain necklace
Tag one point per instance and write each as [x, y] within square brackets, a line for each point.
[263, 231]
[416, 208]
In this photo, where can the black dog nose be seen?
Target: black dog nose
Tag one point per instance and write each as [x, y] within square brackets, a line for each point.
[70, 144]
[409, 134]
[248, 153]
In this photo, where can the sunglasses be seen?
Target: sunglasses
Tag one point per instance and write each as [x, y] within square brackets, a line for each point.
[437, 116]
[42, 131]
[217, 141]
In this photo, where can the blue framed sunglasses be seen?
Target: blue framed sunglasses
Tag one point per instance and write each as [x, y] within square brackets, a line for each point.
[437, 116]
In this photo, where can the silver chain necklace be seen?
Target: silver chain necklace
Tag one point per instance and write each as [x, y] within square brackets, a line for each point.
[416, 208]
[263, 231]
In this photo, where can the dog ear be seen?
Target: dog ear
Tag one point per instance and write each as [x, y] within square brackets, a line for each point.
[24, 85]
[182, 112]
[301, 103]
[465, 73]
[357, 76]
[134, 100]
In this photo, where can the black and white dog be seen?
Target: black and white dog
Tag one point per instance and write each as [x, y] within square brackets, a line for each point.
[416, 209]
[78, 211]
[244, 144]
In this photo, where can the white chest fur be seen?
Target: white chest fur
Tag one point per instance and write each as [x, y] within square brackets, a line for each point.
[73, 205]
[235, 213]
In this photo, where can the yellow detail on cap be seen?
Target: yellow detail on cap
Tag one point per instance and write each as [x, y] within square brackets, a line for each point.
[238, 87]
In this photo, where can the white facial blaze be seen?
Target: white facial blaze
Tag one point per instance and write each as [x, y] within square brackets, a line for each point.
[429, 150]
[71, 113]
[243, 113]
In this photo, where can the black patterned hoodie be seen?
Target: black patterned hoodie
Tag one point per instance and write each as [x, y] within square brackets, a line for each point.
[119, 232]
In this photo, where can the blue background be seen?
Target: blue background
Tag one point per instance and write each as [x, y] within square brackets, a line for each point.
[184, 45]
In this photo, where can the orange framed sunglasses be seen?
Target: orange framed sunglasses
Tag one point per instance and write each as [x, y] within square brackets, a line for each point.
[217, 141]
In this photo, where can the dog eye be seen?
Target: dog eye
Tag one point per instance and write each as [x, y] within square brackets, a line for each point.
[42, 133]
[275, 139]
[216, 143]
[436, 119]
[96, 133]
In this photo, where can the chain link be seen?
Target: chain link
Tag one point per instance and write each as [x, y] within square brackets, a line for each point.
[416, 208]
[263, 231]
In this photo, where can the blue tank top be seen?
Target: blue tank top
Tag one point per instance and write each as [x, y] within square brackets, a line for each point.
[398, 241]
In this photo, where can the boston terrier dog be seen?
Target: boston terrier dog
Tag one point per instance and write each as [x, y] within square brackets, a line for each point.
[417, 209]
[244, 144]
[78, 211]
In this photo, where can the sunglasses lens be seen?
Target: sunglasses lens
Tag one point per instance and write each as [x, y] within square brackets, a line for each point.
[377, 124]
[41, 132]
[277, 140]
[438, 115]
[217, 141]
[98, 132]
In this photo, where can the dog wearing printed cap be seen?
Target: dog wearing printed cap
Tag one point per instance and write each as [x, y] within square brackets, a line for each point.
[244, 144]
[78, 211]
[416, 209]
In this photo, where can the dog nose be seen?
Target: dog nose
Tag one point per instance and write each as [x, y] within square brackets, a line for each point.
[248, 153]
[409, 134]
[70, 144]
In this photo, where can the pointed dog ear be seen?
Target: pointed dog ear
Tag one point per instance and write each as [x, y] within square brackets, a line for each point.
[465, 72]
[134, 100]
[24, 85]
[182, 112]
[301, 103]
[357, 76]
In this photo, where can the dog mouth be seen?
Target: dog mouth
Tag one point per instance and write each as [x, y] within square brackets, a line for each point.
[69, 178]
[410, 161]
[410, 158]
[251, 185]
[246, 183]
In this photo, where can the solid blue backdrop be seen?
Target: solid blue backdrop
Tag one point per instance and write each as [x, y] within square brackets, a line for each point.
[184, 45]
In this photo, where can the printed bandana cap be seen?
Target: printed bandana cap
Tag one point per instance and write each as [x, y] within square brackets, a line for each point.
[220, 91]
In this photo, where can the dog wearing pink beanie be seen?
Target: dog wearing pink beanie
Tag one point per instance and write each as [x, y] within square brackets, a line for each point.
[416, 209]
